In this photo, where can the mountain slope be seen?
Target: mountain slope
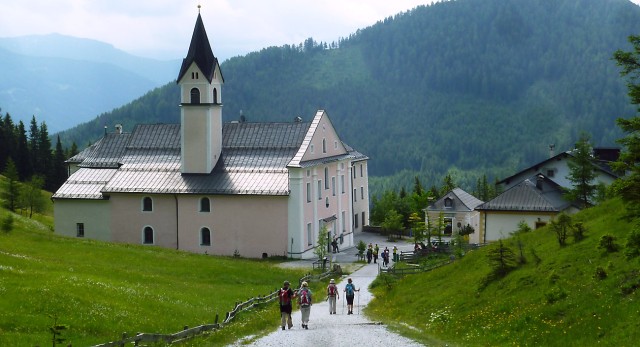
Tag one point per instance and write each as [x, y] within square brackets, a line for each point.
[481, 86]
[64, 81]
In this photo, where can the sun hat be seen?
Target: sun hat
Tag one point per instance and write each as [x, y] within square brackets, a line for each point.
[332, 281]
[305, 284]
[286, 283]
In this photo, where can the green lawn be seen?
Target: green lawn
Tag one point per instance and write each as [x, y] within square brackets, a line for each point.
[101, 290]
[551, 300]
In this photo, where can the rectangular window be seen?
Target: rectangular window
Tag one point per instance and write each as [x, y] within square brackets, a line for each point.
[326, 178]
[355, 195]
[342, 183]
[362, 193]
[354, 172]
[319, 189]
[363, 219]
[355, 220]
[333, 185]
[360, 170]
[308, 191]
[344, 222]
[80, 229]
[309, 235]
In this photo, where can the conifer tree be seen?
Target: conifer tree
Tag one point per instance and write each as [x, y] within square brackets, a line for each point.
[629, 160]
[10, 189]
[582, 173]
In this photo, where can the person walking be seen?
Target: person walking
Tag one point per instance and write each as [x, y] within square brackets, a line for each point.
[332, 295]
[376, 250]
[286, 294]
[395, 254]
[350, 292]
[369, 253]
[305, 300]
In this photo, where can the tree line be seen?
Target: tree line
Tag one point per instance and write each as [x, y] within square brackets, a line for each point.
[27, 156]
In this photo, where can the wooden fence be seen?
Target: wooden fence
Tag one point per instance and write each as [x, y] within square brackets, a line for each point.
[413, 269]
[188, 333]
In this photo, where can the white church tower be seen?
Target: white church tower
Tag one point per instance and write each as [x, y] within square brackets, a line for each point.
[200, 81]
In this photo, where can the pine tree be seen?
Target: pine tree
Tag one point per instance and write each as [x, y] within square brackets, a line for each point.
[59, 169]
[629, 160]
[10, 191]
[22, 154]
[582, 173]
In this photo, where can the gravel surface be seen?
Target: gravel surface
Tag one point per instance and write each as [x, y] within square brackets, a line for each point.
[339, 329]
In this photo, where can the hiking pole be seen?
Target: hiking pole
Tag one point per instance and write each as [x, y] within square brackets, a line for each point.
[342, 304]
[358, 302]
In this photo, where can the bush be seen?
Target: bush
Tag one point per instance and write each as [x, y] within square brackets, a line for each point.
[608, 243]
[578, 232]
[632, 248]
[555, 294]
[600, 273]
[7, 223]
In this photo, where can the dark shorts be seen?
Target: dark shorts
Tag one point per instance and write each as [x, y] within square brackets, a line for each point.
[350, 299]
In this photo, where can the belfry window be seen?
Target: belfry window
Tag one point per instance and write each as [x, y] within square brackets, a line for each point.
[215, 95]
[195, 96]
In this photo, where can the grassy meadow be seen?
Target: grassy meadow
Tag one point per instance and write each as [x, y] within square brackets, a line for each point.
[554, 299]
[102, 290]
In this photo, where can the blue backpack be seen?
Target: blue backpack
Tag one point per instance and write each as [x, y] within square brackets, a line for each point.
[349, 289]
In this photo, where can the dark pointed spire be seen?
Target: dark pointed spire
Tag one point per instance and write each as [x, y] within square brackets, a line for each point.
[199, 52]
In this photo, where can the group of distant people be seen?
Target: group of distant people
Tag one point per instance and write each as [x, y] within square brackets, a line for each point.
[373, 251]
[305, 300]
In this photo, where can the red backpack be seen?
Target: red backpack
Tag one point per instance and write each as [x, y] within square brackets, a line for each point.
[332, 290]
[305, 300]
[285, 299]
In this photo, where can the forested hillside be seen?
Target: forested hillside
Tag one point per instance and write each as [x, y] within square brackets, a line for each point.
[470, 86]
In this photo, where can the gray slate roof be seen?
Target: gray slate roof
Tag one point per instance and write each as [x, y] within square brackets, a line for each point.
[254, 161]
[535, 194]
[468, 202]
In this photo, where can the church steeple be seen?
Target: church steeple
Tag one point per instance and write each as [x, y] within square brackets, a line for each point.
[200, 53]
[200, 80]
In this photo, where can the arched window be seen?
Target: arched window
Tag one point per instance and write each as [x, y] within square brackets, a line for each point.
[205, 205]
[205, 237]
[147, 204]
[195, 96]
[147, 236]
[215, 95]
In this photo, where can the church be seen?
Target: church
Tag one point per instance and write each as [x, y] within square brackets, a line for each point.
[241, 188]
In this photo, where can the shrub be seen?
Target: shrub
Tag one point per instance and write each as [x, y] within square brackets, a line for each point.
[555, 294]
[7, 223]
[600, 273]
[608, 243]
[632, 248]
[578, 232]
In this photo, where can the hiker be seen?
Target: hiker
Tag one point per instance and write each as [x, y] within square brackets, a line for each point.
[395, 254]
[385, 257]
[334, 244]
[285, 295]
[332, 295]
[369, 253]
[376, 249]
[350, 292]
[304, 300]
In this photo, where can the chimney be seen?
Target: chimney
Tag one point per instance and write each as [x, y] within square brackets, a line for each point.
[118, 128]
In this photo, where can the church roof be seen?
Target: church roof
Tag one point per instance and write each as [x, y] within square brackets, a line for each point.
[254, 161]
[200, 52]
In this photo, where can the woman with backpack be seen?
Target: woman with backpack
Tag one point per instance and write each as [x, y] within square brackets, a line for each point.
[285, 295]
[332, 295]
[304, 300]
[350, 292]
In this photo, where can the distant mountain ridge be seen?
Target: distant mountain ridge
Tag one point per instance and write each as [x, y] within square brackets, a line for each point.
[64, 80]
[473, 86]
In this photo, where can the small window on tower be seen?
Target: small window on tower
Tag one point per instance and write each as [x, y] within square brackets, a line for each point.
[195, 96]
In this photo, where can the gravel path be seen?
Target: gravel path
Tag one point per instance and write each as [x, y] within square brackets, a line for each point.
[339, 329]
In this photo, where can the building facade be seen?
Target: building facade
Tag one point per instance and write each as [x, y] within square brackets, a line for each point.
[204, 186]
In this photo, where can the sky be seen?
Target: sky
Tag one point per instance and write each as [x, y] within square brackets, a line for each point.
[162, 28]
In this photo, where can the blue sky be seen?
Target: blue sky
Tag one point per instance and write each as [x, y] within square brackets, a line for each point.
[162, 28]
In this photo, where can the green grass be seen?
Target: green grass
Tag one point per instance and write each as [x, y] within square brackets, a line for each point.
[101, 290]
[552, 300]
